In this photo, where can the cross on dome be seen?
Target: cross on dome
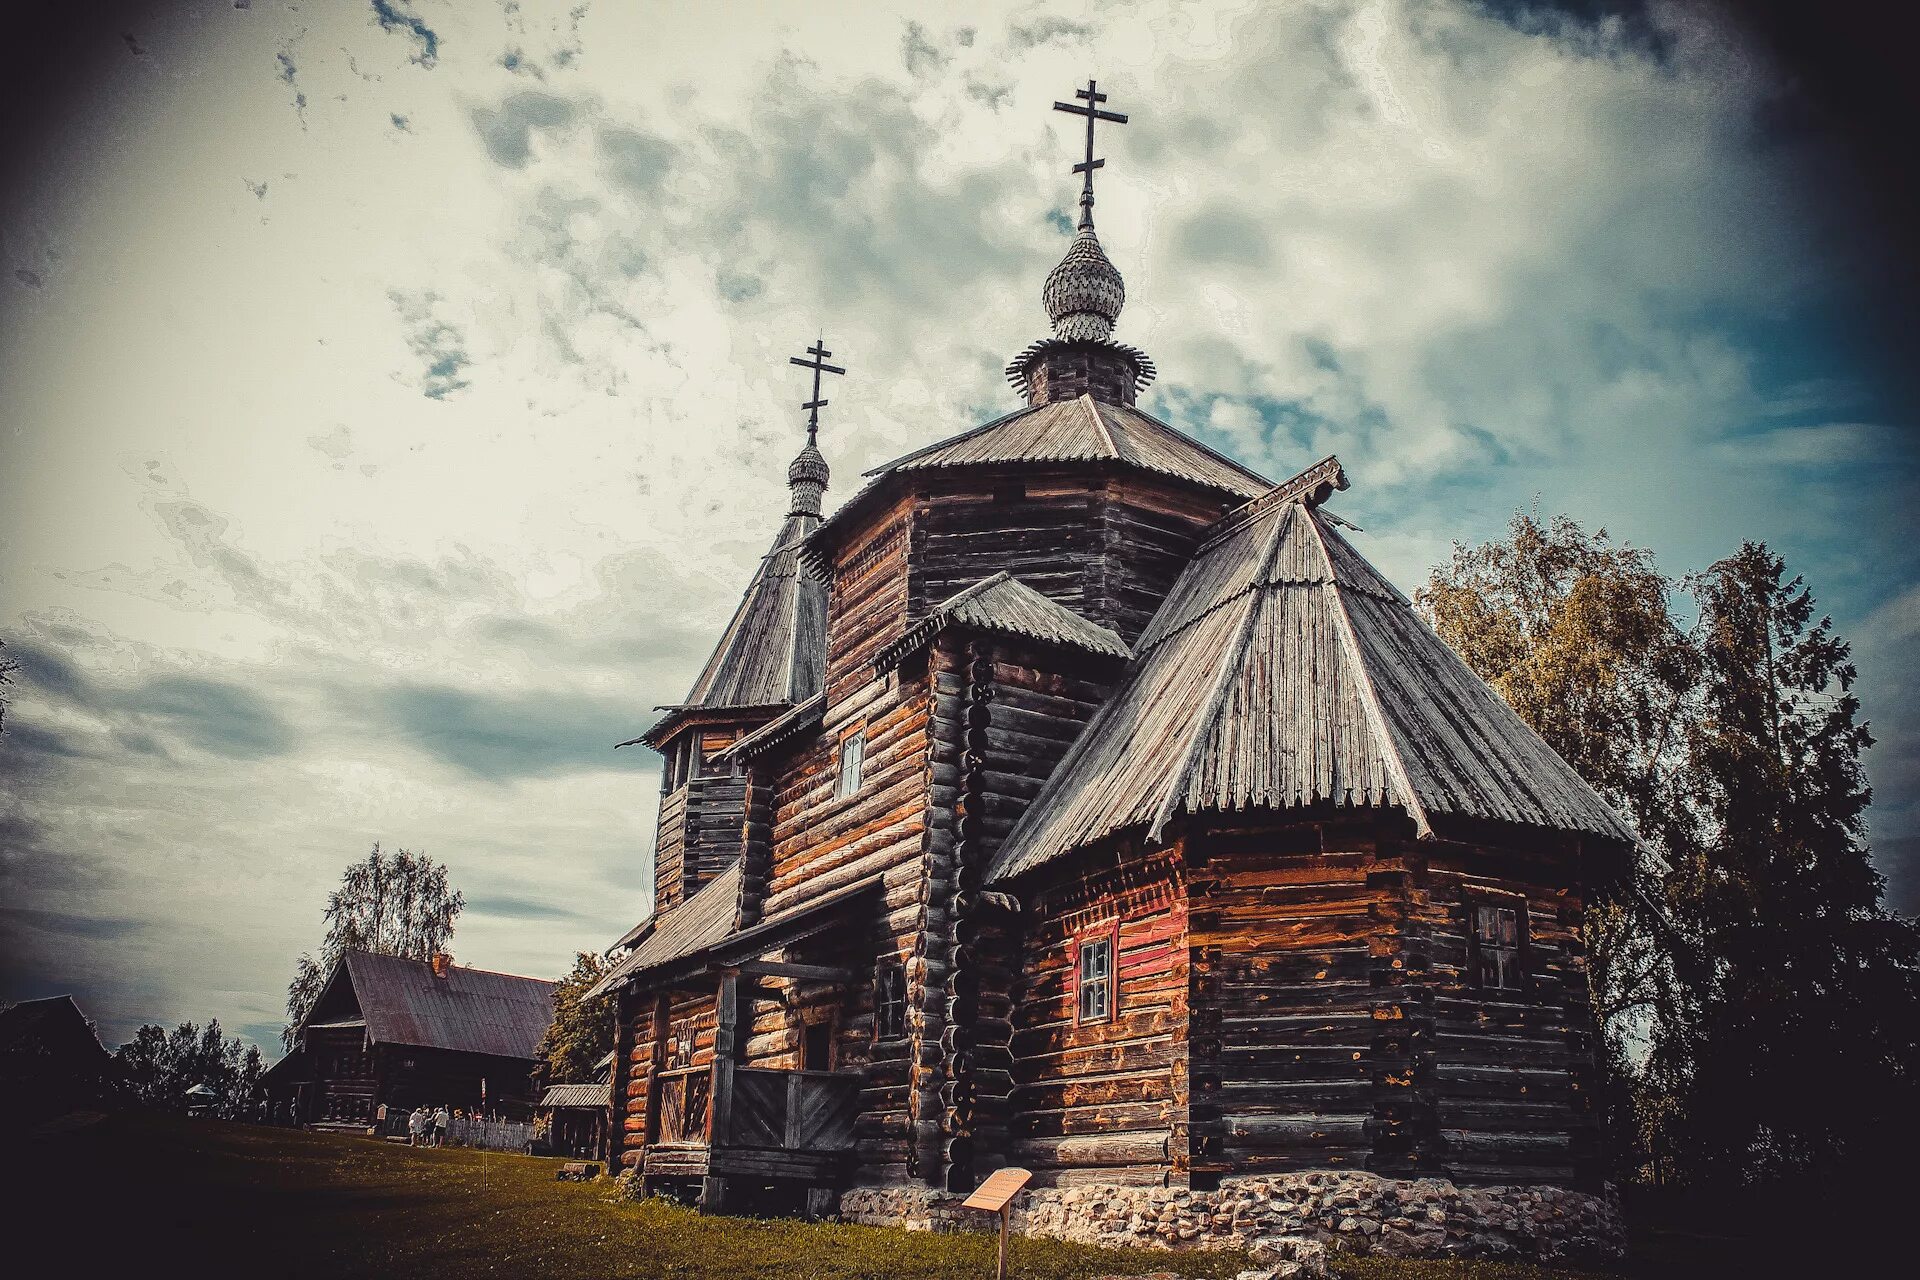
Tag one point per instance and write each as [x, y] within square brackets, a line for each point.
[1093, 97]
[807, 474]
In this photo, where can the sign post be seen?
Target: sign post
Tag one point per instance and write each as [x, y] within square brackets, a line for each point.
[995, 1195]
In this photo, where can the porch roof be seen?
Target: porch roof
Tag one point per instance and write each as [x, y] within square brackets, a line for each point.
[704, 932]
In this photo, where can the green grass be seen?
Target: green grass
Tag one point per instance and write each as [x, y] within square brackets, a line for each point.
[142, 1195]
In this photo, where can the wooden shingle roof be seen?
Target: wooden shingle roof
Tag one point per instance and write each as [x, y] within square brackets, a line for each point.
[682, 930]
[1085, 430]
[774, 650]
[1002, 604]
[1283, 670]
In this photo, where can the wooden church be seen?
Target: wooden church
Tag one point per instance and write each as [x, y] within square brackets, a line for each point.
[1075, 798]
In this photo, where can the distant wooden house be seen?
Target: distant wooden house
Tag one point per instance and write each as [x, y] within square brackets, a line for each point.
[572, 1118]
[51, 1060]
[397, 1032]
[1076, 798]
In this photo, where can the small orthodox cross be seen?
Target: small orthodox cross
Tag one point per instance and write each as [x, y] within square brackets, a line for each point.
[819, 366]
[1092, 112]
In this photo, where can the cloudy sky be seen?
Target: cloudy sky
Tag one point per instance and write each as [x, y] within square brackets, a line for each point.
[394, 395]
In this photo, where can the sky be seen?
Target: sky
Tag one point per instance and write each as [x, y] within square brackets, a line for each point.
[394, 396]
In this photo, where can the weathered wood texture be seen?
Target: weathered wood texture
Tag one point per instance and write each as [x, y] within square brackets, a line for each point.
[1102, 1095]
[1337, 1021]
[1298, 1028]
[1107, 547]
[682, 1040]
[699, 830]
[1508, 1075]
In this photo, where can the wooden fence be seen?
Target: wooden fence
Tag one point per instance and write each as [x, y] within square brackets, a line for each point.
[490, 1135]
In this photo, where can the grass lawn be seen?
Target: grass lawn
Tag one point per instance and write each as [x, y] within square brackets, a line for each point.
[142, 1195]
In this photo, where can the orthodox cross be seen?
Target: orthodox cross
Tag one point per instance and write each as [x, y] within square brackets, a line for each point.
[1092, 112]
[819, 366]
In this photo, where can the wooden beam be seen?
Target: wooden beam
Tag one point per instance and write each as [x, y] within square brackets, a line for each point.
[787, 969]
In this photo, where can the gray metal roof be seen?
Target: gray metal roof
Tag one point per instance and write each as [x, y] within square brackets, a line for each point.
[1003, 604]
[1086, 430]
[1282, 671]
[469, 1010]
[702, 921]
[594, 1096]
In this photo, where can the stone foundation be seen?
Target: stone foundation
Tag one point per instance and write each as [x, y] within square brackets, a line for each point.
[1289, 1220]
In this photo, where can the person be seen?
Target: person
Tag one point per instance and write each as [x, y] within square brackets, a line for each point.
[416, 1125]
[440, 1122]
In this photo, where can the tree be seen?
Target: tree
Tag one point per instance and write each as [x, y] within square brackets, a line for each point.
[1798, 1048]
[396, 904]
[582, 1030]
[158, 1068]
[1578, 634]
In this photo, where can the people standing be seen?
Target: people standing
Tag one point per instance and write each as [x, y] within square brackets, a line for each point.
[416, 1125]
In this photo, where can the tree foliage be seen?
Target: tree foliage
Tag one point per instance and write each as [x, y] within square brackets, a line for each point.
[158, 1067]
[582, 1030]
[1797, 1046]
[397, 904]
[1761, 1011]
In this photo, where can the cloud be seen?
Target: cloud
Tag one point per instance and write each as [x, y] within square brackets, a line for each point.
[634, 160]
[398, 16]
[507, 130]
[501, 737]
[439, 346]
[222, 718]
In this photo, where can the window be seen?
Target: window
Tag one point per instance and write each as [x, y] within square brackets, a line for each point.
[1095, 985]
[853, 753]
[817, 1047]
[1499, 943]
[889, 1001]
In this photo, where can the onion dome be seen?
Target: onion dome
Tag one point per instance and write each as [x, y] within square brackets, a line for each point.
[1084, 294]
[807, 477]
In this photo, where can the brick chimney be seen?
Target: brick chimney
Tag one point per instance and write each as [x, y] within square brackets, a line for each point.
[442, 964]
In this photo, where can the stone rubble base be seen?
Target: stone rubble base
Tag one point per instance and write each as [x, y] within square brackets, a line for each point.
[1288, 1222]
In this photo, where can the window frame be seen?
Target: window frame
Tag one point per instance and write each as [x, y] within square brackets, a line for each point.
[841, 789]
[828, 1027]
[1498, 900]
[1107, 933]
[887, 972]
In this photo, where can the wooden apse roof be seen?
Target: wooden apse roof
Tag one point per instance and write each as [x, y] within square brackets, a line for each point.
[1284, 671]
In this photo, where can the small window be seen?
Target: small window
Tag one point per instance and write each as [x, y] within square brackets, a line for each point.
[853, 753]
[889, 1001]
[817, 1050]
[1499, 943]
[1095, 1003]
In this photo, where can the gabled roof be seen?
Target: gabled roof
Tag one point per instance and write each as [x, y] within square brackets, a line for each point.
[588, 1096]
[774, 650]
[53, 1028]
[1085, 430]
[468, 1011]
[1003, 604]
[1283, 671]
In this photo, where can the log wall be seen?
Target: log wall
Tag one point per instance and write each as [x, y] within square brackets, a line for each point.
[1508, 1076]
[1102, 1102]
[1296, 948]
[1107, 547]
